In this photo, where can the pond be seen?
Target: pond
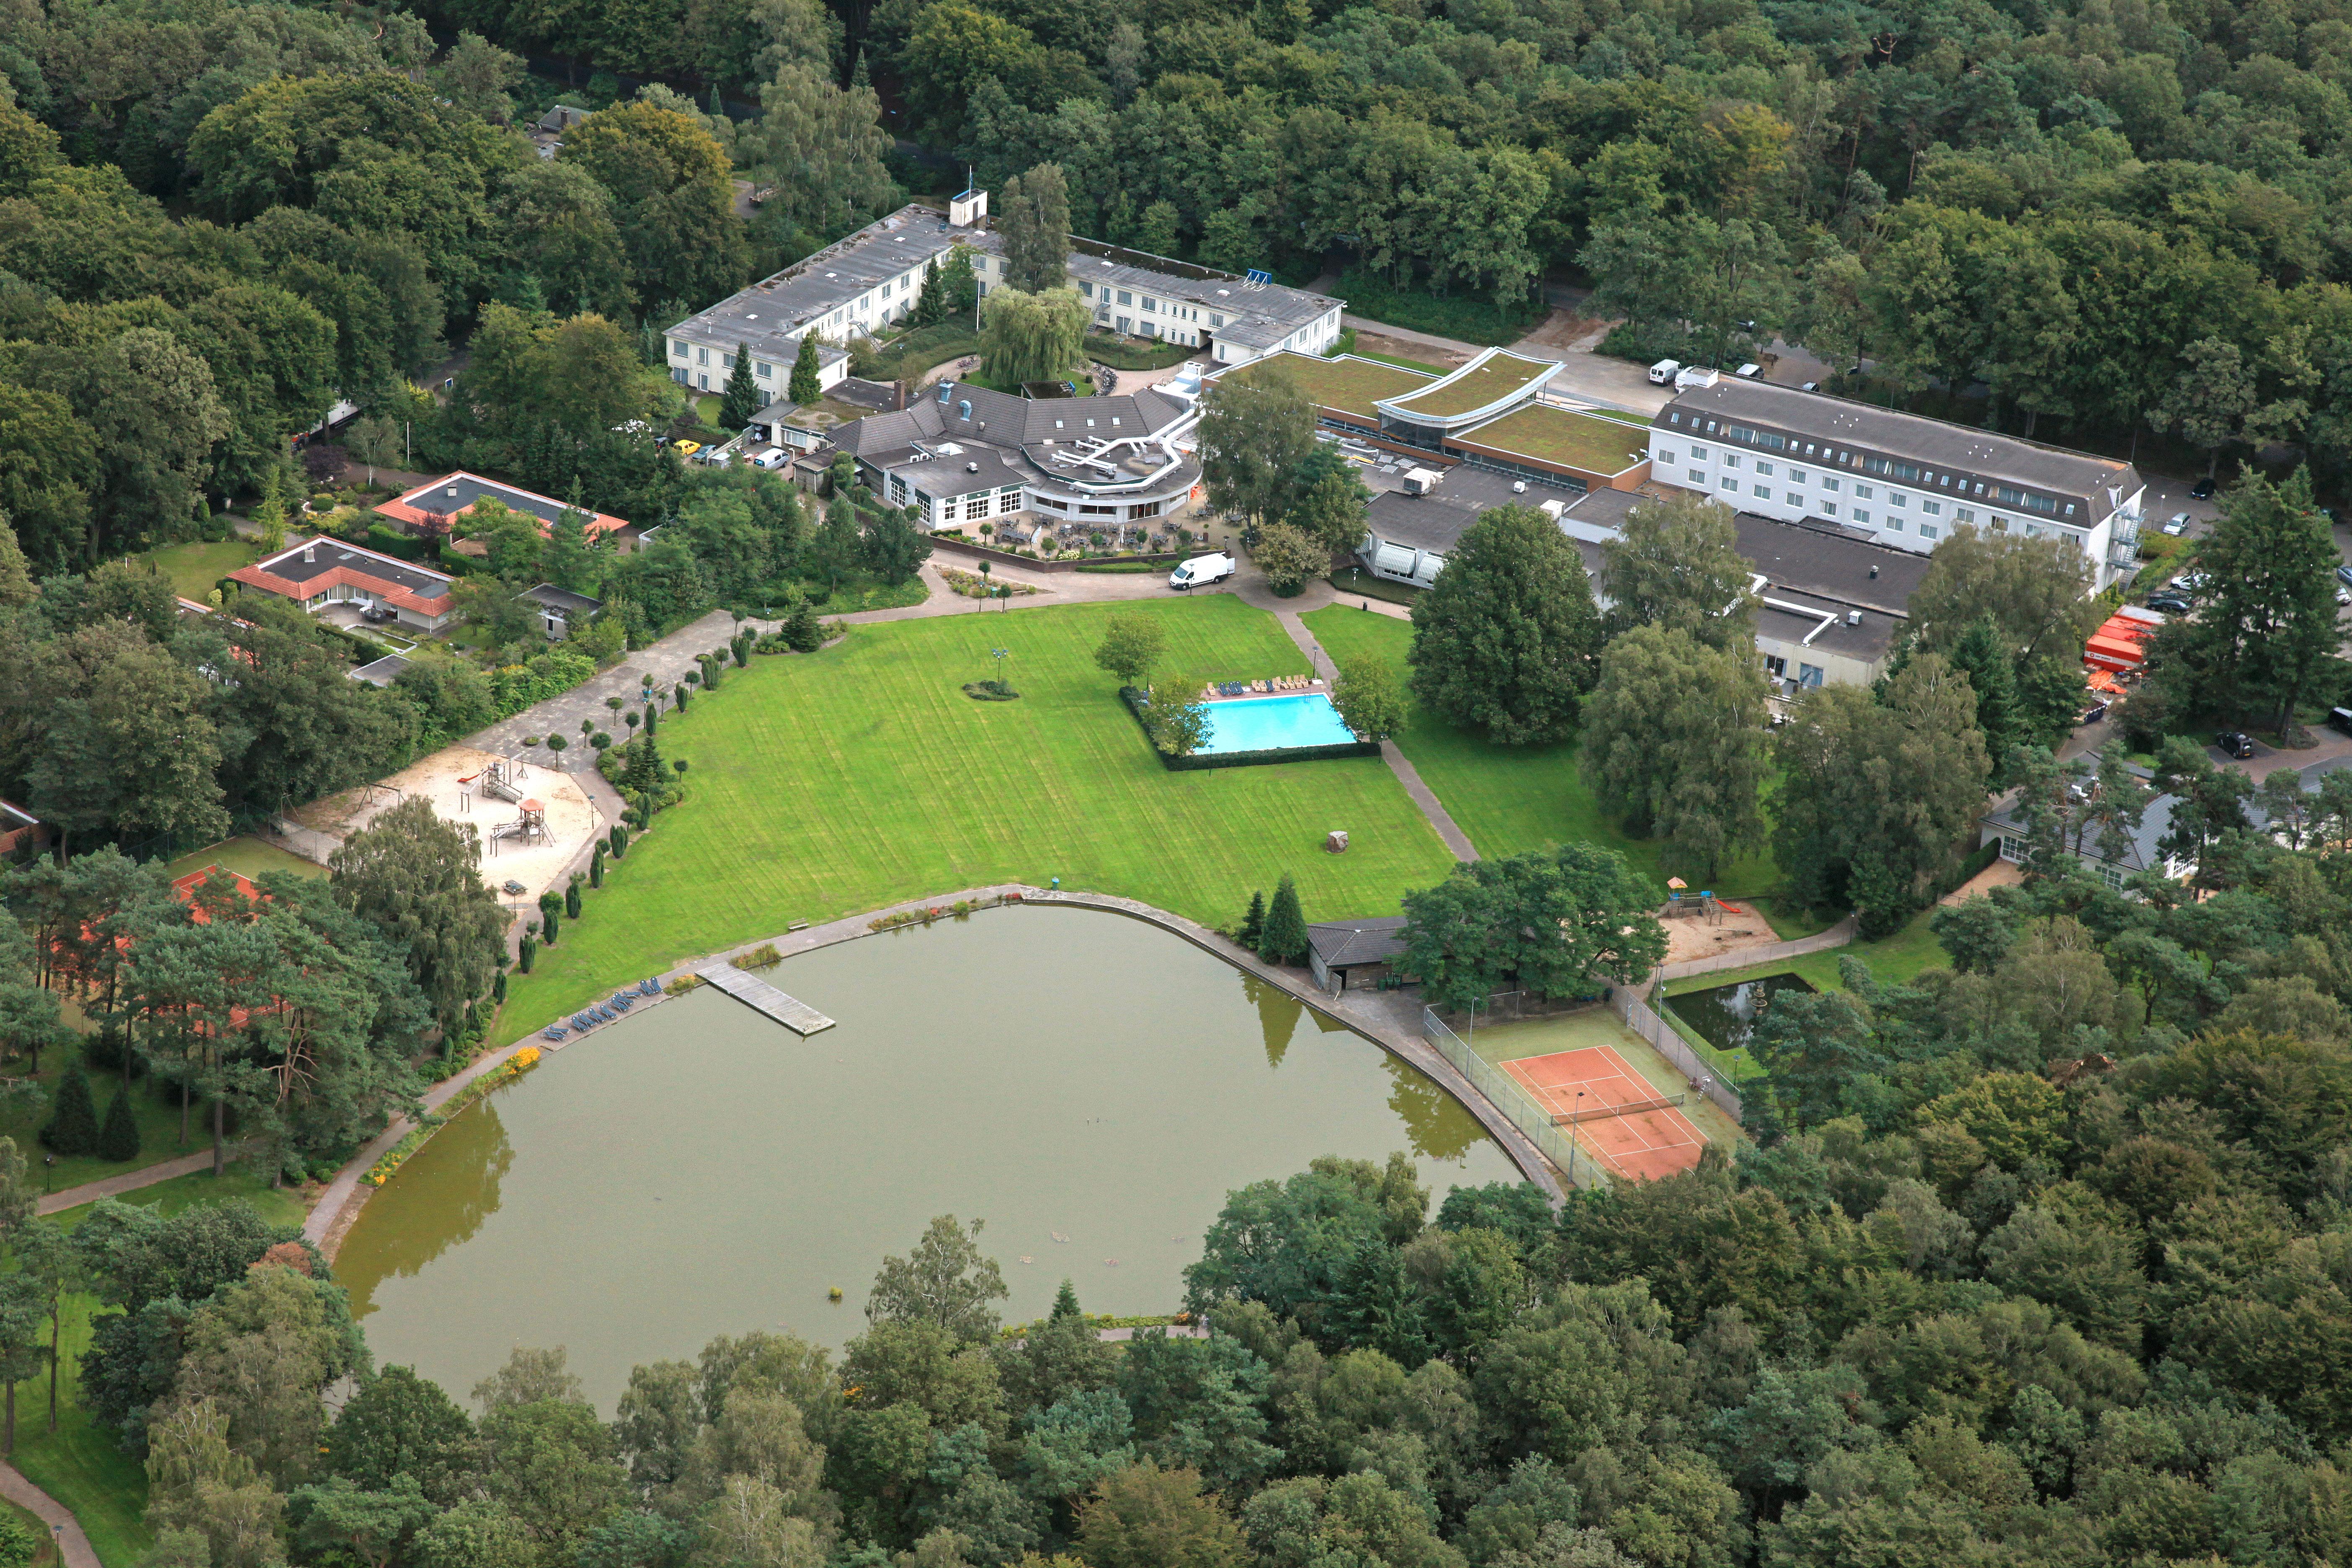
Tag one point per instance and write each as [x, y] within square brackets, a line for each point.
[1088, 1085]
[1724, 1015]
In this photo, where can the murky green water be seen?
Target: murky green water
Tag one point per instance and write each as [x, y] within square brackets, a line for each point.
[697, 1169]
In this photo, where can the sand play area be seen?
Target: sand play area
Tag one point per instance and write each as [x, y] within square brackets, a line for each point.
[1733, 927]
[464, 785]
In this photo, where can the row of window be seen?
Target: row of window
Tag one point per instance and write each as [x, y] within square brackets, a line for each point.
[1885, 468]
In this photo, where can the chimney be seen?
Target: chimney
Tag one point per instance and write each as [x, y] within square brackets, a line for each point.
[309, 552]
[1853, 617]
[1874, 568]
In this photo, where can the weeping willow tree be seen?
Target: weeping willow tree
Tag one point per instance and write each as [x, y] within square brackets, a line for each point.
[1031, 337]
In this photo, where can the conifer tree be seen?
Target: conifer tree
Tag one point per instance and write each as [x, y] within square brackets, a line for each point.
[1284, 940]
[1254, 922]
[73, 1124]
[596, 866]
[1066, 1301]
[802, 634]
[530, 951]
[804, 388]
[742, 399]
[499, 989]
[119, 1139]
[572, 902]
[269, 511]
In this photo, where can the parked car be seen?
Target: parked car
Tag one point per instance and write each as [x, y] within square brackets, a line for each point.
[2177, 524]
[773, 458]
[1811, 386]
[687, 448]
[2194, 582]
[2170, 604]
[2340, 718]
[1200, 571]
[1664, 372]
[1750, 370]
[2203, 490]
[2236, 744]
[2344, 575]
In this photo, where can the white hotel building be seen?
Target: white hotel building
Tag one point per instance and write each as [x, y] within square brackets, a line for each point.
[860, 284]
[1886, 477]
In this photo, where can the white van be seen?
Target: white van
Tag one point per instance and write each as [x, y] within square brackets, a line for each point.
[773, 458]
[1200, 571]
[1664, 371]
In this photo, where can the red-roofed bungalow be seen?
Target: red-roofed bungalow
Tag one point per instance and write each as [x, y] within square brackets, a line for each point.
[431, 507]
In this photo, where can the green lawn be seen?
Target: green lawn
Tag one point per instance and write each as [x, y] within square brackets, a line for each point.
[159, 1121]
[1508, 798]
[79, 1465]
[862, 776]
[194, 568]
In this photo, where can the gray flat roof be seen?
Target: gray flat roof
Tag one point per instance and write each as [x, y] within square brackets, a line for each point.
[1257, 315]
[1959, 450]
[1438, 520]
[768, 316]
[562, 599]
[381, 671]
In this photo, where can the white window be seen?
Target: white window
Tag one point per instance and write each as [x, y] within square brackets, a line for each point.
[1731, 484]
[1862, 493]
[1963, 514]
[727, 361]
[1699, 476]
[1795, 499]
[1125, 297]
[1698, 454]
[1215, 320]
[677, 347]
[1829, 508]
[1731, 459]
[1861, 516]
[1927, 531]
[1894, 525]
[976, 508]
[1764, 468]
[763, 369]
[1764, 490]
[1896, 497]
[1664, 456]
[1829, 483]
[702, 356]
[1796, 475]
[2000, 523]
[1150, 303]
[1932, 507]
[703, 378]
[2013, 850]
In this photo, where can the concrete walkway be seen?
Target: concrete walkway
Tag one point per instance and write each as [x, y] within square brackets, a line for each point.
[73, 1545]
[128, 1181]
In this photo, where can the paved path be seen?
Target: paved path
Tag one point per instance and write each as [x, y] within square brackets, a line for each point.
[1456, 841]
[1388, 1018]
[128, 1181]
[76, 1547]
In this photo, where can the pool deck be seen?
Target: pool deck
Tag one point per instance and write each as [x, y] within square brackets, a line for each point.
[1387, 1018]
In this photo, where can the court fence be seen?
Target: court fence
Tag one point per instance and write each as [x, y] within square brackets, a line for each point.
[1503, 1091]
[1638, 1016]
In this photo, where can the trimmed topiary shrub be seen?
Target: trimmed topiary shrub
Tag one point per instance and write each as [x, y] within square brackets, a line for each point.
[73, 1124]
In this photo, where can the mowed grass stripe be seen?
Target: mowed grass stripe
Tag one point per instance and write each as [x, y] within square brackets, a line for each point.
[1509, 799]
[862, 776]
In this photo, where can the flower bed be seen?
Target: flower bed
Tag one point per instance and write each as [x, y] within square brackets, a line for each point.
[506, 1072]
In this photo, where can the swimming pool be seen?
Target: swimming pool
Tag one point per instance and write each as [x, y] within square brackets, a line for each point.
[1276, 724]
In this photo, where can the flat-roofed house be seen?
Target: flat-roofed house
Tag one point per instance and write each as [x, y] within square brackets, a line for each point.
[453, 495]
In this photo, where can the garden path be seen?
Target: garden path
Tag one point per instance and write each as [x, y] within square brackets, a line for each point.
[74, 1546]
[128, 1181]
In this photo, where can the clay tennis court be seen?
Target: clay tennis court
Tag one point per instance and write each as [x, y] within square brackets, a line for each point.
[1656, 1141]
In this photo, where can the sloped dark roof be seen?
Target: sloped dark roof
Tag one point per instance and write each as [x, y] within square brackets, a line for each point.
[1341, 944]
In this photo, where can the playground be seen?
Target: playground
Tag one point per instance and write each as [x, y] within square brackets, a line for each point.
[1700, 925]
[533, 821]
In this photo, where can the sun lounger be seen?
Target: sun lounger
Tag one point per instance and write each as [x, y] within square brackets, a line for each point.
[553, 1032]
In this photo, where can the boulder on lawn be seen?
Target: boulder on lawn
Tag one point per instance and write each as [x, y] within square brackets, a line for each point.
[1337, 843]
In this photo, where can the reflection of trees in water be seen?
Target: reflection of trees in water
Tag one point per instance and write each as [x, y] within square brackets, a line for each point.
[1277, 1015]
[1440, 1127]
[440, 1198]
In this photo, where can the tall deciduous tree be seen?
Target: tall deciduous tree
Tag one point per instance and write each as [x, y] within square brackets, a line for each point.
[1033, 214]
[1505, 639]
[417, 878]
[1031, 337]
[1559, 922]
[1677, 564]
[1874, 794]
[674, 198]
[1254, 433]
[1130, 647]
[822, 147]
[946, 1281]
[1370, 696]
[1674, 741]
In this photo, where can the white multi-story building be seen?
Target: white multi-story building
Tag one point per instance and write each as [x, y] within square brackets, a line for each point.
[869, 280]
[1890, 477]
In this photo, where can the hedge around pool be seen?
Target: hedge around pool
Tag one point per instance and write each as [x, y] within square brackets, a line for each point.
[1135, 701]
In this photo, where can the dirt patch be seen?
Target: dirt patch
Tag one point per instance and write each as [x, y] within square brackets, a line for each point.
[1698, 937]
[1999, 874]
[1407, 348]
[450, 780]
[1566, 330]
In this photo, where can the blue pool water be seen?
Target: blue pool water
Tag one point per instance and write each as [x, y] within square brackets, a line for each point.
[1275, 723]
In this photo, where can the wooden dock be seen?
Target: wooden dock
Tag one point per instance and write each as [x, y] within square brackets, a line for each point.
[790, 1011]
